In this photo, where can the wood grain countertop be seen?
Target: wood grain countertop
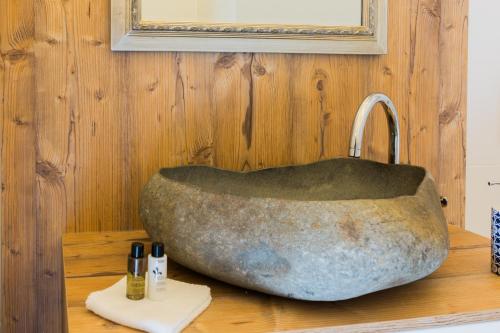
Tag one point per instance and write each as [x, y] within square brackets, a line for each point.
[463, 290]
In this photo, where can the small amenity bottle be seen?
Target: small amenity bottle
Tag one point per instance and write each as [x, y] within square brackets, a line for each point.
[136, 273]
[157, 273]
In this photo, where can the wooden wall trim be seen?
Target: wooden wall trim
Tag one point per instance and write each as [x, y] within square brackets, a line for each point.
[82, 128]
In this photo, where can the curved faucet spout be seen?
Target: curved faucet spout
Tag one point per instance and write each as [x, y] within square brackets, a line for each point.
[359, 125]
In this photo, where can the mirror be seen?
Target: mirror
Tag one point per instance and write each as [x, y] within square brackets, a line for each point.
[253, 12]
[285, 26]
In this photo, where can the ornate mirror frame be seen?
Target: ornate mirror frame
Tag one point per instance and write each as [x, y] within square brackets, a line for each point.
[129, 33]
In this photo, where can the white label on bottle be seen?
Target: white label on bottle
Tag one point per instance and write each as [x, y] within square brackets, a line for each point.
[157, 278]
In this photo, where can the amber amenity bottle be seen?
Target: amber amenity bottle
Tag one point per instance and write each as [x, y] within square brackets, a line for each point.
[136, 274]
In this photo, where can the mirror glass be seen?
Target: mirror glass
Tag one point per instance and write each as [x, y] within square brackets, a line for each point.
[254, 12]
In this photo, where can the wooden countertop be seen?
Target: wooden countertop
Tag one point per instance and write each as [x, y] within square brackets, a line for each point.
[462, 291]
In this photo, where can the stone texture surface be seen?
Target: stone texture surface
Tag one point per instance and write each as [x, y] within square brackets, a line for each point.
[328, 231]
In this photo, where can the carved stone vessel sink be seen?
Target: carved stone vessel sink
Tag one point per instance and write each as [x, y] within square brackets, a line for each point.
[327, 231]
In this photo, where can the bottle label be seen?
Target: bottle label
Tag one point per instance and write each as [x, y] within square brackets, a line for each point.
[159, 270]
[157, 278]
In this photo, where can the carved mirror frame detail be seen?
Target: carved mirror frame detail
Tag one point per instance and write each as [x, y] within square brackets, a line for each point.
[129, 33]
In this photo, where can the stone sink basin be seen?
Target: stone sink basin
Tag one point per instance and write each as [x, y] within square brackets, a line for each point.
[328, 231]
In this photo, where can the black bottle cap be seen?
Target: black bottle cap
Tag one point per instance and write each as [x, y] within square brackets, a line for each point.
[137, 250]
[157, 250]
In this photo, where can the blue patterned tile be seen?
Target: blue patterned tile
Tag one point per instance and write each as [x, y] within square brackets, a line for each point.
[495, 241]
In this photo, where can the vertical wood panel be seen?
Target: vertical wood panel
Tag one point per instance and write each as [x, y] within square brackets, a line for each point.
[152, 106]
[54, 149]
[306, 107]
[2, 101]
[84, 128]
[423, 122]
[341, 94]
[197, 74]
[453, 103]
[102, 171]
[18, 292]
[232, 104]
[266, 126]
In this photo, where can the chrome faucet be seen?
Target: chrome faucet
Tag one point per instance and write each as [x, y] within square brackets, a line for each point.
[359, 125]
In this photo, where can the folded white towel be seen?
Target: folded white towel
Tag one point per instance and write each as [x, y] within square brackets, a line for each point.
[183, 304]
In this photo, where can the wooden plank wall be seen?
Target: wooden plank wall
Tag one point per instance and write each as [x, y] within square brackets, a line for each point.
[82, 128]
[18, 160]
